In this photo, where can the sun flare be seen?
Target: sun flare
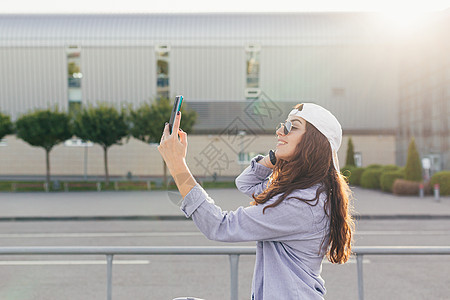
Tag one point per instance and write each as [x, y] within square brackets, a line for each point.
[406, 22]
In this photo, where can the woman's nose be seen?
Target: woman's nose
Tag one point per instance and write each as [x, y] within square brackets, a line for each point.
[280, 131]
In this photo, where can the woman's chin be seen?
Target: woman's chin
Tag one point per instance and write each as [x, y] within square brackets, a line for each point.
[279, 155]
[282, 155]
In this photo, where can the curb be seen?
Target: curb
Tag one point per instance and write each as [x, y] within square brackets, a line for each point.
[183, 218]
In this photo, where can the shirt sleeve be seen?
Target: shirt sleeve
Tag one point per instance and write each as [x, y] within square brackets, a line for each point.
[279, 223]
[254, 178]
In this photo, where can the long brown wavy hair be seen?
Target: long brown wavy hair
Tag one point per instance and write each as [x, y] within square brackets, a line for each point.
[312, 164]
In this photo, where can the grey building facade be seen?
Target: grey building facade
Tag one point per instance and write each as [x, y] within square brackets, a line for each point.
[424, 98]
[333, 59]
[231, 68]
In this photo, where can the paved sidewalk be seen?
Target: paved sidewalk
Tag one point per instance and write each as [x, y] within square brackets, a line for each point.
[377, 203]
[367, 203]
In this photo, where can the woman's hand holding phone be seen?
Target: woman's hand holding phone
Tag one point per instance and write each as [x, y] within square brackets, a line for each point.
[265, 161]
[172, 149]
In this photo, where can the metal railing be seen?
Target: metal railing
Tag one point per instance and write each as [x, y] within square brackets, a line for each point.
[232, 252]
[412, 250]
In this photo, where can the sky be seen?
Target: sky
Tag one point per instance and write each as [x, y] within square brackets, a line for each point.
[189, 6]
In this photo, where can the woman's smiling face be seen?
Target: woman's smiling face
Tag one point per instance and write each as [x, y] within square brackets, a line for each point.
[287, 143]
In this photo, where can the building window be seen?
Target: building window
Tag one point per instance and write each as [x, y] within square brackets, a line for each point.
[358, 159]
[74, 77]
[252, 53]
[245, 157]
[162, 71]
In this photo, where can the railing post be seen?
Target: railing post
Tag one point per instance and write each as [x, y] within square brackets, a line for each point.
[109, 259]
[234, 262]
[359, 266]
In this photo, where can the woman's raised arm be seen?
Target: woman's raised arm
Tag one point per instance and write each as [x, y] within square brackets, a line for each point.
[254, 179]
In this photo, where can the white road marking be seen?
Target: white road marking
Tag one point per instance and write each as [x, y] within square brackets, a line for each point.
[70, 262]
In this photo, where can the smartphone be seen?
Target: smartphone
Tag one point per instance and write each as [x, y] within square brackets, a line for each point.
[176, 107]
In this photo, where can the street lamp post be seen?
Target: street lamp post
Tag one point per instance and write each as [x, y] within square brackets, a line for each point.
[76, 142]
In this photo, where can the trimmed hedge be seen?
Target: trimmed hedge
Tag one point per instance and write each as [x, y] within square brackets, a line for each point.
[388, 168]
[387, 179]
[405, 187]
[346, 171]
[370, 178]
[355, 176]
[443, 179]
[374, 166]
[413, 168]
[350, 160]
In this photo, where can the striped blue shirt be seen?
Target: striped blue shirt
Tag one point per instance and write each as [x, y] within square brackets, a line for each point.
[288, 236]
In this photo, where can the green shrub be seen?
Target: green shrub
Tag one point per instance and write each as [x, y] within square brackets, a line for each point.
[443, 179]
[346, 167]
[374, 166]
[402, 170]
[219, 184]
[388, 168]
[355, 176]
[346, 171]
[6, 126]
[387, 179]
[370, 178]
[350, 160]
[413, 168]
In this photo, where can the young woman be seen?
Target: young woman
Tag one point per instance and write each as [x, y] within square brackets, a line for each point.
[300, 211]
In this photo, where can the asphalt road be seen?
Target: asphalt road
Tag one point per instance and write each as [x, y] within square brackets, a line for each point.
[167, 277]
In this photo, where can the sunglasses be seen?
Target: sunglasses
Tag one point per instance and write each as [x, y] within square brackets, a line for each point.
[287, 126]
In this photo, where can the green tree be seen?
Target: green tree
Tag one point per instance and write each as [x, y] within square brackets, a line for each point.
[350, 160]
[46, 129]
[413, 169]
[6, 126]
[103, 125]
[147, 122]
